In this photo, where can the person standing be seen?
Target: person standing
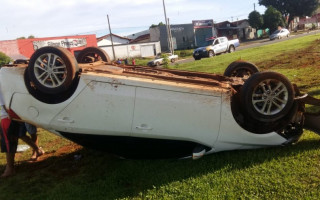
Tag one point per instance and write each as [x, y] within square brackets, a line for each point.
[10, 132]
[32, 141]
[9, 143]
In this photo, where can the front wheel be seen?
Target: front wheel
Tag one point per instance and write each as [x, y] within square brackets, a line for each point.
[267, 96]
[52, 70]
[211, 54]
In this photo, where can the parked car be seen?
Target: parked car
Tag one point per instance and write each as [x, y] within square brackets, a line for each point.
[278, 34]
[138, 112]
[215, 47]
[159, 60]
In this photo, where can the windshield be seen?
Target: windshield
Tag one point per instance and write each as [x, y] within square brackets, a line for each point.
[209, 42]
[277, 31]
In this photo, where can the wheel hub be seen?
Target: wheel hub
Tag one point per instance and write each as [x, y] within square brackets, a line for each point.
[270, 97]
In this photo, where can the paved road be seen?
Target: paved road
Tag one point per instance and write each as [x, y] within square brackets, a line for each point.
[258, 43]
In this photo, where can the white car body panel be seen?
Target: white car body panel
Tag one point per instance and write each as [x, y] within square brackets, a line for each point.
[280, 34]
[160, 60]
[108, 104]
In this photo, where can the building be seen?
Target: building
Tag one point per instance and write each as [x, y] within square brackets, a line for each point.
[123, 51]
[182, 36]
[141, 39]
[136, 35]
[238, 29]
[204, 30]
[116, 39]
[24, 48]
[197, 34]
[309, 22]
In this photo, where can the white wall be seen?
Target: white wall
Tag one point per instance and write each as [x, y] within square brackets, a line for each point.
[131, 50]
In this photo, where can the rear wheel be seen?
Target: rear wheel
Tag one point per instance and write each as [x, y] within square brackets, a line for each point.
[92, 54]
[52, 70]
[267, 96]
[240, 69]
[231, 49]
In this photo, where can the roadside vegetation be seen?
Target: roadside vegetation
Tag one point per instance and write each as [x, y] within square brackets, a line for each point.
[4, 59]
[68, 171]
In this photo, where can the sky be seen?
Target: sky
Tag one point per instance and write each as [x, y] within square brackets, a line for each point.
[50, 18]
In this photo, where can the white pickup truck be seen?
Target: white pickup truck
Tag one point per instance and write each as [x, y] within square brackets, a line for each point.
[217, 46]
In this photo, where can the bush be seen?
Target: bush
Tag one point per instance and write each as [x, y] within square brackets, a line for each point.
[184, 53]
[4, 59]
[165, 61]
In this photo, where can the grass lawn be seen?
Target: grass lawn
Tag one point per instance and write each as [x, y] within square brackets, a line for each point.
[68, 171]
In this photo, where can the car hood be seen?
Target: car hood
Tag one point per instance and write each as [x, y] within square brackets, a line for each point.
[201, 49]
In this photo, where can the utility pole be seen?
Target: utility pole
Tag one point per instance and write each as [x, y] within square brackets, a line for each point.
[170, 39]
[254, 6]
[165, 16]
[114, 55]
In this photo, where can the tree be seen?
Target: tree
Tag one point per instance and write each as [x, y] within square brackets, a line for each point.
[293, 8]
[273, 19]
[154, 25]
[4, 59]
[165, 60]
[255, 20]
[29, 37]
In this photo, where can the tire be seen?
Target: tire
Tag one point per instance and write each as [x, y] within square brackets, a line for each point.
[240, 69]
[267, 96]
[211, 54]
[158, 64]
[173, 60]
[53, 78]
[93, 54]
[232, 49]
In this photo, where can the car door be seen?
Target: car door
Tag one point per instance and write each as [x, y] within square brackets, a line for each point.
[102, 108]
[176, 115]
[216, 46]
[223, 46]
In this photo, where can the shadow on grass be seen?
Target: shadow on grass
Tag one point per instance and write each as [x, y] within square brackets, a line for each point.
[96, 175]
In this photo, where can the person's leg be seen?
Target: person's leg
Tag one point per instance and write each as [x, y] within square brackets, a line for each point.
[38, 152]
[9, 171]
[8, 145]
[34, 138]
[32, 130]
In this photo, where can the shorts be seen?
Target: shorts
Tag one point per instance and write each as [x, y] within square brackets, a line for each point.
[9, 139]
[24, 127]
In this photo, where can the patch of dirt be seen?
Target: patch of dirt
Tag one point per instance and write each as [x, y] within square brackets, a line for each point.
[58, 164]
[308, 57]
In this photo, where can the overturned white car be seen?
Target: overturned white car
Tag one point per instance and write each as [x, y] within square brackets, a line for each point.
[138, 112]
